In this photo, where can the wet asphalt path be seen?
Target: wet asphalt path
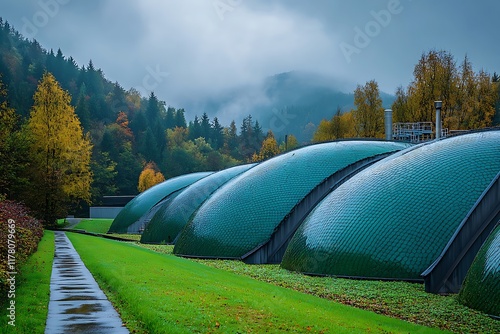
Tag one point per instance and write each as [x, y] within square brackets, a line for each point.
[77, 304]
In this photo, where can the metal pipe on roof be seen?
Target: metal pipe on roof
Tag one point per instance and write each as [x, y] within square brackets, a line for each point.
[388, 124]
[438, 105]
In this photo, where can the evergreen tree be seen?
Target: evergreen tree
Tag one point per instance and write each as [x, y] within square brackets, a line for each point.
[108, 144]
[82, 108]
[117, 100]
[217, 134]
[94, 80]
[149, 148]
[14, 148]
[170, 121]
[194, 129]
[128, 169]
[180, 119]
[139, 124]
[257, 132]
[153, 109]
[231, 140]
[205, 127]
[104, 173]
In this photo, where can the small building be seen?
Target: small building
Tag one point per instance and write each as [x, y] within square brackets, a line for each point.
[111, 206]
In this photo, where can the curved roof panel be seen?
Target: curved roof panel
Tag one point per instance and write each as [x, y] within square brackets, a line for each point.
[143, 202]
[171, 218]
[393, 219]
[243, 213]
[481, 289]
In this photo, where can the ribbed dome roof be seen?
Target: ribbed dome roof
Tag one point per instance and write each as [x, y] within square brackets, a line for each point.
[143, 202]
[481, 289]
[243, 213]
[393, 219]
[171, 218]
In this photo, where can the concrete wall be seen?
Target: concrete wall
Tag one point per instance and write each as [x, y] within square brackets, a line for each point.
[104, 212]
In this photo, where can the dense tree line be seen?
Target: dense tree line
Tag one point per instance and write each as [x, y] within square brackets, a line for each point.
[126, 133]
[471, 100]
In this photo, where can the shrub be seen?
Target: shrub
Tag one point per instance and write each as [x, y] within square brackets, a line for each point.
[27, 233]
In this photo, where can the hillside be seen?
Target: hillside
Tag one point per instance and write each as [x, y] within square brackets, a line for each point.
[127, 130]
[287, 103]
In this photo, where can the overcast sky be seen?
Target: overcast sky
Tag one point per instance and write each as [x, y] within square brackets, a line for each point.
[184, 49]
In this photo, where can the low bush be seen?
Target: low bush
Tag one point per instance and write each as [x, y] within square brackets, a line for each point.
[20, 234]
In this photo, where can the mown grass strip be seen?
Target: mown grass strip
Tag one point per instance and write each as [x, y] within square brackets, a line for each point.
[32, 291]
[401, 300]
[158, 293]
[94, 225]
[407, 301]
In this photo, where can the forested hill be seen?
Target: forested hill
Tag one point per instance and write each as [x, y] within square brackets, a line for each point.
[287, 103]
[128, 131]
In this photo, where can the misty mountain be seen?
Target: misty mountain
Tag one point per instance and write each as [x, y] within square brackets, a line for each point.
[286, 103]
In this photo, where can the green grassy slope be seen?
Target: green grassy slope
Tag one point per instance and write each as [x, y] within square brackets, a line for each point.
[158, 293]
[32, 291]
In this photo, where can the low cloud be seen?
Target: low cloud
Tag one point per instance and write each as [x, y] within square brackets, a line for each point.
[209, 47]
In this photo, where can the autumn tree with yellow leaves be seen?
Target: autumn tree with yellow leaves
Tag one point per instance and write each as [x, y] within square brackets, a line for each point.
[60, 153]
[290, 143]
[149, 177]
[339, 127]
[268, 149]
[468, 97]
[369, 113]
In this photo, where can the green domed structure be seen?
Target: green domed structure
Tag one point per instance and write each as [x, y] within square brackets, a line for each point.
[243, 214]
[143, 202]
[393, 219]
[481, 290]
[171, 218]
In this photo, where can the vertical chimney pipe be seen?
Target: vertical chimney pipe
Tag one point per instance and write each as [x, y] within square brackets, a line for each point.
[388, 124]
[438, 105]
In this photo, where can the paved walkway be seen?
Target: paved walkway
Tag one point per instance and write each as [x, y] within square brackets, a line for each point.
[77, 304]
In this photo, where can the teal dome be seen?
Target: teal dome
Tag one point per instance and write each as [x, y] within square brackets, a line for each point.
[393, 219]
[481, 289]
[243, 213]
[143, 202]
[171, 218]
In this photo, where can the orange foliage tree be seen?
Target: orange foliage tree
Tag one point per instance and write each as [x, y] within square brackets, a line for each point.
[149, 177]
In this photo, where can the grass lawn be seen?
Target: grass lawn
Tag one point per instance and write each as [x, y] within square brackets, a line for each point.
[158, 293]
[32, 290]
[407, 301]
[133, 237]
[94, 225]
[61, 223]
[101, 226]
[402, 300]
